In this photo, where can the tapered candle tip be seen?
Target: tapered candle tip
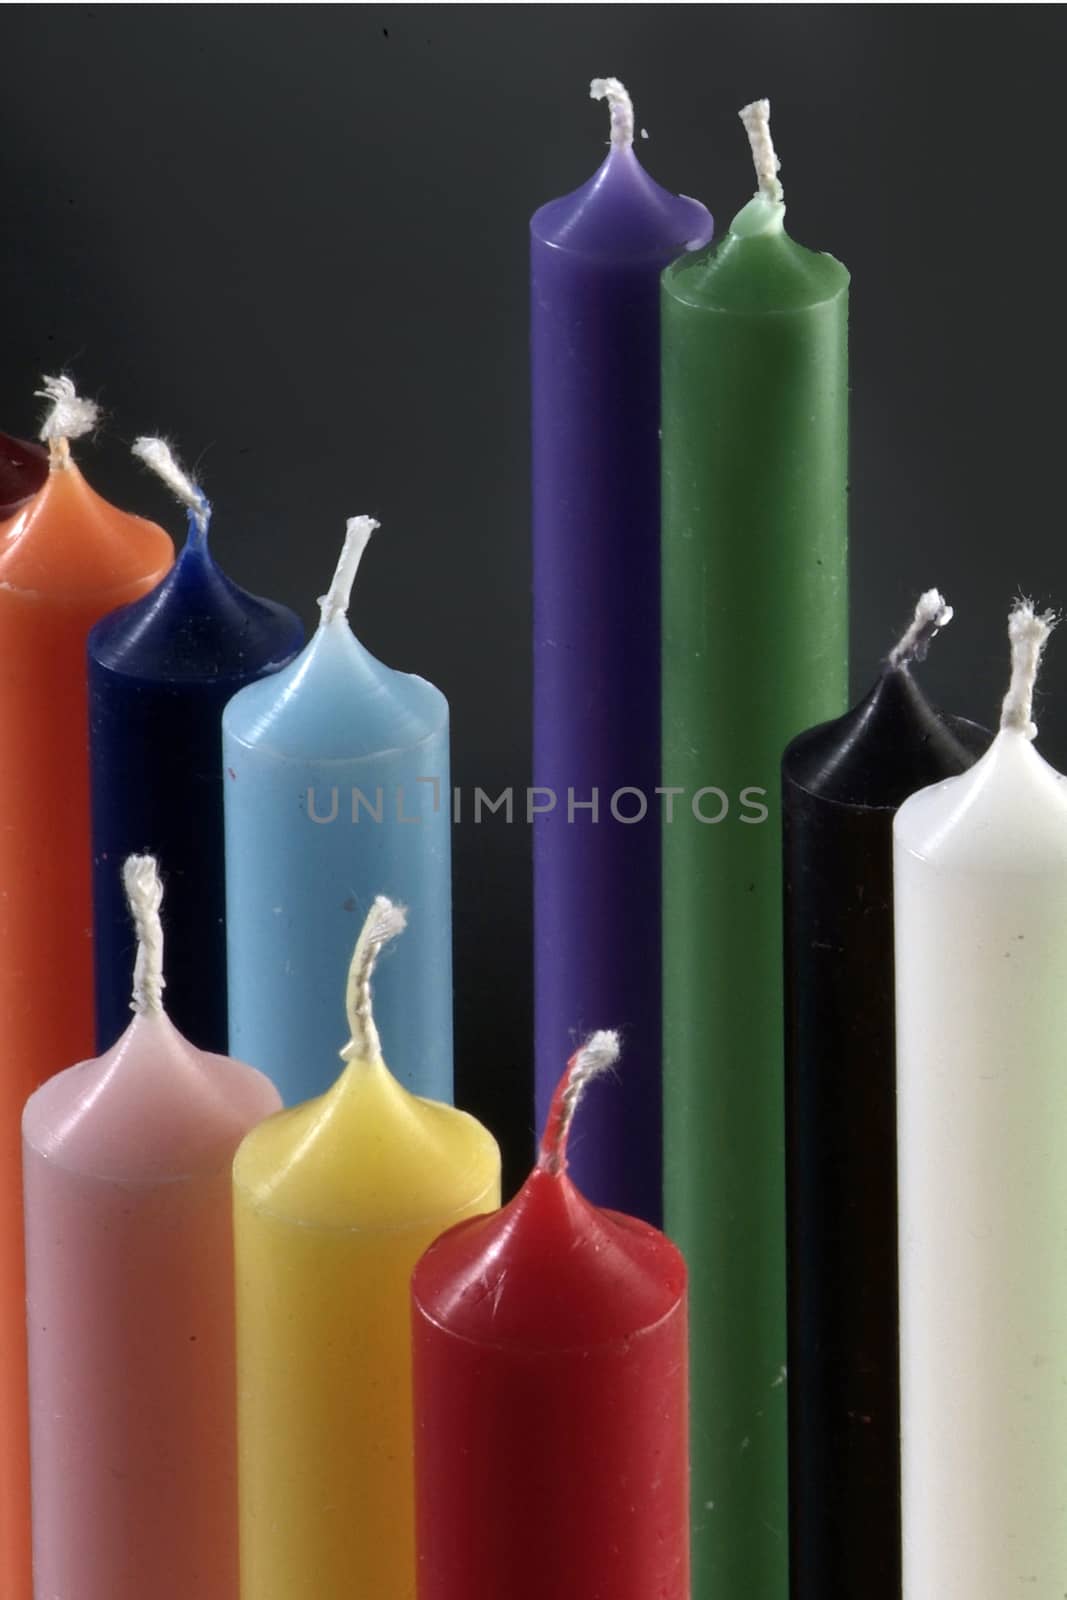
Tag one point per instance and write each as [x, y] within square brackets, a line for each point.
[1028, 631]
[69, 417]
[757, 123]
[158, 455]
[597, 1055]
[334, 604]
[385, 920]
[932, 613]
[620, 106]
[144, 894]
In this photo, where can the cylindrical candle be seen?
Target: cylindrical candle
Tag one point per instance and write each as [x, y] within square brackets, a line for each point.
[65, 559]
[160, 673]
[334, 1202]
[595, 260]
[336, 778]
[23, 472]
[841, 785]
[754, 649]
[129, 1254]
[551, 1403]
[980, 897]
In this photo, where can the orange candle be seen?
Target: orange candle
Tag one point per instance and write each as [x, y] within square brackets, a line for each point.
[66, 558]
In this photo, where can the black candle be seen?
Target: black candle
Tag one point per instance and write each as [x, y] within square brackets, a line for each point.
[841, 785]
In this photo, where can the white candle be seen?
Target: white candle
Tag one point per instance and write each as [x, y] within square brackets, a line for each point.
[980, 865]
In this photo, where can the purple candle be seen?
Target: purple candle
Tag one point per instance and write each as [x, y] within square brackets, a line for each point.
[596, 257]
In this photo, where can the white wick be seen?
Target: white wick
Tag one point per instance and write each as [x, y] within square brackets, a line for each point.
[1028, 632]
[384, 921]
[144, 893]
[70, 417]
[621, 107]
[931, 615]
[157, 454]
[757, 120]
[357, 536]
[597, 1055]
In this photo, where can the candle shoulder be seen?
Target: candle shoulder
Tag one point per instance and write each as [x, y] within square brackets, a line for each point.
[336, 702]
[152, 1109]
[756, 268]
[197, 624]
[1008, 814]
[890, 744]
[622, 213]
[550, 1271]
[68, 543]
[368, 1156]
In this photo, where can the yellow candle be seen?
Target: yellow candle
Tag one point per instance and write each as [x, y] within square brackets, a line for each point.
[334, 1203]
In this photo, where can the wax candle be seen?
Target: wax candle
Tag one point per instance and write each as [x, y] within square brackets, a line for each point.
[980, 887]
[754, 650]
[65, 559]
[160, 673]
[129, 1255]
[551, 1404]
[334, 1203]
[595, 260]
[337, 780]
[841, 785]
[23, 471]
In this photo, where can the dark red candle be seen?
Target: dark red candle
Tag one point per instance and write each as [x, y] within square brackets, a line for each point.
[23, 469]
[551, 1394]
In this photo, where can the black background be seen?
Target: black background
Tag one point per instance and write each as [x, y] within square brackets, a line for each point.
[293, 238]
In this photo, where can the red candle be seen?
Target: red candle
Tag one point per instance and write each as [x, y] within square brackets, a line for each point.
[551, 1394]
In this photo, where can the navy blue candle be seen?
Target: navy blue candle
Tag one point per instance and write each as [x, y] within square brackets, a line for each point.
[160, 673]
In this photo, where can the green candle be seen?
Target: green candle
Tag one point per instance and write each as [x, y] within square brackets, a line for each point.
[755, 425]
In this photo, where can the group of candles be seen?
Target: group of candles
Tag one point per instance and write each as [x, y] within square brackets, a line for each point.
[301, 1353]
[230, 1361]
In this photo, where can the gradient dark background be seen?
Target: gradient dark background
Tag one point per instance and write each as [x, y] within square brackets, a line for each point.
[294, 239]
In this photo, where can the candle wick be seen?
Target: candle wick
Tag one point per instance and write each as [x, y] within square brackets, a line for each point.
[144, 895]
[159, 456]
[597, 1055]
[1028, 632]
[620, 106]
[932, 613]
[384, 921]
[757, 121]
[69, 417]
[334, 603]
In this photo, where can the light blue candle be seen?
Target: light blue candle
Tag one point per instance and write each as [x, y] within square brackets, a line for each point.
[336, 777]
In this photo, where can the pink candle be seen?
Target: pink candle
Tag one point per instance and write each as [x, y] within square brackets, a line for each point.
[130, 1304]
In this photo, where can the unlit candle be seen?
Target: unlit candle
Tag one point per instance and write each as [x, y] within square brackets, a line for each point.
[130, 1304]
